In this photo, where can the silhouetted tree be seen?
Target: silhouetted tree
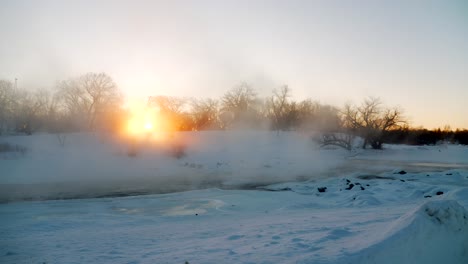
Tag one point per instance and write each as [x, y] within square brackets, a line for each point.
[205, 114]
[370, 120]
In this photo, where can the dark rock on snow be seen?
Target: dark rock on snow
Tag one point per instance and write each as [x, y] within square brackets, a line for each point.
[322, 189]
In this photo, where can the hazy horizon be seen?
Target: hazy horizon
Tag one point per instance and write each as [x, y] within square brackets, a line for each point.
[409, 53]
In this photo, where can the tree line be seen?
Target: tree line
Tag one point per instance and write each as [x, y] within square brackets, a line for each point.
[93, 101]
[76, 104]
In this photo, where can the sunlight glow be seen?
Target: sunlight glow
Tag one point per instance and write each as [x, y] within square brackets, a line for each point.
[148, 126]
[144, 124]
[141, 120]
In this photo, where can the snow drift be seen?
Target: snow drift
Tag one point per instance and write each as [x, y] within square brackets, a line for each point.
[436, 232]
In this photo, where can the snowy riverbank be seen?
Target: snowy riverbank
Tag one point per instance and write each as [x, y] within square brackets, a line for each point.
[404, 204]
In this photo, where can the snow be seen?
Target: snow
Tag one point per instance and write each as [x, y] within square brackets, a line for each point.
[436, 232]
[377, 207]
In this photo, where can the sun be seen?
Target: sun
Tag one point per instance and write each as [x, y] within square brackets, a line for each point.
[148, 126]
[141, 120]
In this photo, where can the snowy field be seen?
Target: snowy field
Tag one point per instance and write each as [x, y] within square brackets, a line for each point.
[234, 197]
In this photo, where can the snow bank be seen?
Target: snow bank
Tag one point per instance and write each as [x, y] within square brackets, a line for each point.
[292, 223]
[356, 216]
[436, 232]
[389, 188]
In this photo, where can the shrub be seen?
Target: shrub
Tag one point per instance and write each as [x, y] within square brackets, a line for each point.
[132, 151]
[178, 150]
[341, 140]
[7, 147]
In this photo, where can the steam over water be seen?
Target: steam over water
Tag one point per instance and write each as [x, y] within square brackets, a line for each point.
[96, 165]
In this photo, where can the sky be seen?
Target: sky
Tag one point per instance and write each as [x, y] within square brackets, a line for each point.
[411, 54]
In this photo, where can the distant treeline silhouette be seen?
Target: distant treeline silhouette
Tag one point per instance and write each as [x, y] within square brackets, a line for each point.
[423, 136]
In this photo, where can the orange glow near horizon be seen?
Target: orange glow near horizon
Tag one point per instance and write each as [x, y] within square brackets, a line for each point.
[141, 120]
[143, 123]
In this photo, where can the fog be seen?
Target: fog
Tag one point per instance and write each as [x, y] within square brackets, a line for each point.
[99, 165]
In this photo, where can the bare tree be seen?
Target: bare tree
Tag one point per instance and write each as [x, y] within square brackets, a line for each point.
[205, 114]
[172, 112]
[6, 104]
[240, 102]
[168, 104]
[239, 98]
[89, 97]
[226, 118]
[370, 120]
[73, 98]
[306, 115]
[327, 118]
[279, 108]
[28, 110]
[102, 93]
[24, 110]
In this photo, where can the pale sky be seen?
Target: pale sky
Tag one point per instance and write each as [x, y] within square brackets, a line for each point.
[413, 54]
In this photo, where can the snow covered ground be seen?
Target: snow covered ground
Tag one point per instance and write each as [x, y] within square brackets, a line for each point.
[401, 205]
